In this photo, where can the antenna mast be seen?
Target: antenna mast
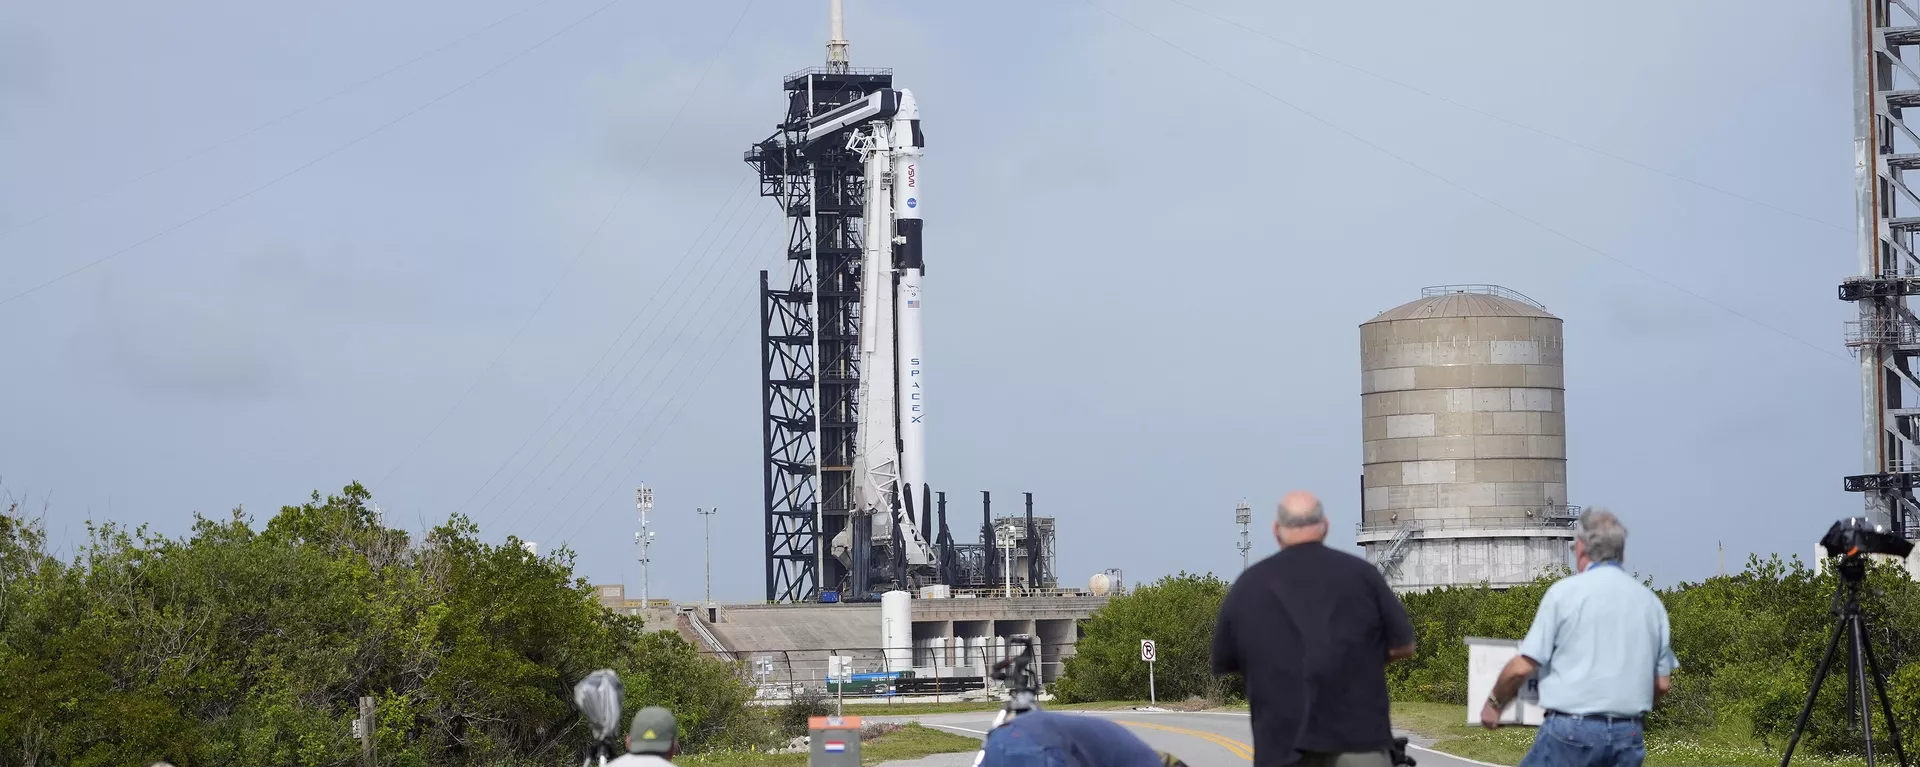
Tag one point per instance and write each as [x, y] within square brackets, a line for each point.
[1243, 516]
[837, 44]
[643, 500]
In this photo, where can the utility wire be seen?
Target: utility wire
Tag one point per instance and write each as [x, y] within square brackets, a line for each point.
[592, 238]
[748, 320]
[1457, 186]
[670, 307]
[695, 342]
[651, 302]
[587, 503]
[742, 259]
[275, 121]
[1514, 123]
[315, 161]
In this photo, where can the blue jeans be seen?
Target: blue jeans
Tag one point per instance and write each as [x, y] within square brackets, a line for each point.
[1564, 741]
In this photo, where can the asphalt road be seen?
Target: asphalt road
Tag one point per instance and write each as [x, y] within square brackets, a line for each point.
[1201, 738]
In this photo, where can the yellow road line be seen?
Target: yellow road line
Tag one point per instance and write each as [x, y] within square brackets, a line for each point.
[1239, 749]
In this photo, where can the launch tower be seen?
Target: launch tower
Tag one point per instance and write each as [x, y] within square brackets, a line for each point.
[1887, 335]
[840, 360]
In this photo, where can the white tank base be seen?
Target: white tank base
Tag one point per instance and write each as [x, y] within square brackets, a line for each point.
[1497, 561]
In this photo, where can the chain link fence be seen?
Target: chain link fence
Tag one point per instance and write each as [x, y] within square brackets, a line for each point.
[953, 669]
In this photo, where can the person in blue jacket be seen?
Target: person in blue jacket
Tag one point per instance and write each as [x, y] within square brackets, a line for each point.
[1048, 739]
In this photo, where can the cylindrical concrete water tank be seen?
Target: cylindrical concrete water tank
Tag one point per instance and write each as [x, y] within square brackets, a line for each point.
[1464, 438]
[896, 629]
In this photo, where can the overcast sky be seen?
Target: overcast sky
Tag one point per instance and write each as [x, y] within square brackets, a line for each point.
[1146, 270]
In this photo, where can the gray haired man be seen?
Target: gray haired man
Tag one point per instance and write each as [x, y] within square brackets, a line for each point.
[1603, 648]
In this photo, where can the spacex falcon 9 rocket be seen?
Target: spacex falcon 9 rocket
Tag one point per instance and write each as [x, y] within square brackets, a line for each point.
[843, 401]
[889, 467]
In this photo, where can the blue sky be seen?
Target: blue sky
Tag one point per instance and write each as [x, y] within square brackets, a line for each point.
[1154, 231]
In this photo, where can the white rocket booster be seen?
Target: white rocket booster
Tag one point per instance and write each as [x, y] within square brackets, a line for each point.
[876, 464]
[877, 458]
[906, 144]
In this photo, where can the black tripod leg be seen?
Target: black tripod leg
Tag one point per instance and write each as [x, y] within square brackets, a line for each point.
[1858, 668]
[1819, 675]
[1886, 708]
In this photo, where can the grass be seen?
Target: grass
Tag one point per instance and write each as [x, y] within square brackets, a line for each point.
[1721, 747]
[909, 742]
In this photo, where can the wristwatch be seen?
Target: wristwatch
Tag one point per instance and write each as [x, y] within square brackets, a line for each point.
[1496, 703]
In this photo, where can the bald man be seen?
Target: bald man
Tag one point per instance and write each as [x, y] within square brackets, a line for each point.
[1312, 631]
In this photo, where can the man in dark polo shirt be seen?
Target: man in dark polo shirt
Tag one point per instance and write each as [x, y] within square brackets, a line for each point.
[1312, 630]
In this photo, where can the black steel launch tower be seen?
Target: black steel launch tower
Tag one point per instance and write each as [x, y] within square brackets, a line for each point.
[809, 355]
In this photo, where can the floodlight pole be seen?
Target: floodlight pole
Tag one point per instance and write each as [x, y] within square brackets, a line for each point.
[1243, 516]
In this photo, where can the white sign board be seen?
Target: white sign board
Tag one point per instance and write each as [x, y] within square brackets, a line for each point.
[1485, 658]
[1146, 650]
[840, 668]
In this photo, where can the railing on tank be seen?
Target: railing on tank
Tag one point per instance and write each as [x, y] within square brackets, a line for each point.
[1551, 517]
[1485, 290]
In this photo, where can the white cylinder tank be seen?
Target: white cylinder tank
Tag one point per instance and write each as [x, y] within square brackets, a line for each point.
[896, 629]
[1463, 410]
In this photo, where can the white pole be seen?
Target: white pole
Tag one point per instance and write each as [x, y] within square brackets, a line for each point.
[837, 44]
[1243, 516]
[1008, 570]
[708, 513]
[1153, 698]
[643, 500]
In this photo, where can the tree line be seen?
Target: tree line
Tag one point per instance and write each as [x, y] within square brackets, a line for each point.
[1748, 643]
[236, 645]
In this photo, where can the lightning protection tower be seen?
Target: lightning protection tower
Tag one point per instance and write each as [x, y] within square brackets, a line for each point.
[810, 327]
[1887, 335]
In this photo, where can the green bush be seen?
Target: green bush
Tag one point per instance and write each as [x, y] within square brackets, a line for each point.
[240, 646]
[801, 709]
[1178, 613]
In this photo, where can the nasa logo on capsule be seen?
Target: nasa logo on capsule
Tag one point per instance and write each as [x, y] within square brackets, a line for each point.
[913, 203]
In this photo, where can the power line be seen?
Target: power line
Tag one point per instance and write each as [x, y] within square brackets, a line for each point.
[701, 334]
[684, 292]
[1514, 123]
[706, 300]
[748, 321]
[1459, 187]
[595, 236]
[275, 121]
[315, 161]
[635, 319]
[588, 502]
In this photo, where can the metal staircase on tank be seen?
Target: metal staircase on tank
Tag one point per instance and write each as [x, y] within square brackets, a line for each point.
[1389, 563]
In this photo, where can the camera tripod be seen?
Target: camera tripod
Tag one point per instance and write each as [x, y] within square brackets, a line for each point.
[1861, 665]
[1023, 685]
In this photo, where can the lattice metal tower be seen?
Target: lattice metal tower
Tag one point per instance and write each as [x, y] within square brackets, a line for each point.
[810, 330]
[1887, 335]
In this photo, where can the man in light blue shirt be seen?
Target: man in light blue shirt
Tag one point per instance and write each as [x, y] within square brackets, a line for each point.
[1602, 647]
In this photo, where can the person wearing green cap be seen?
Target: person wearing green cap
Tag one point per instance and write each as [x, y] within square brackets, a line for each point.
[653, 739]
